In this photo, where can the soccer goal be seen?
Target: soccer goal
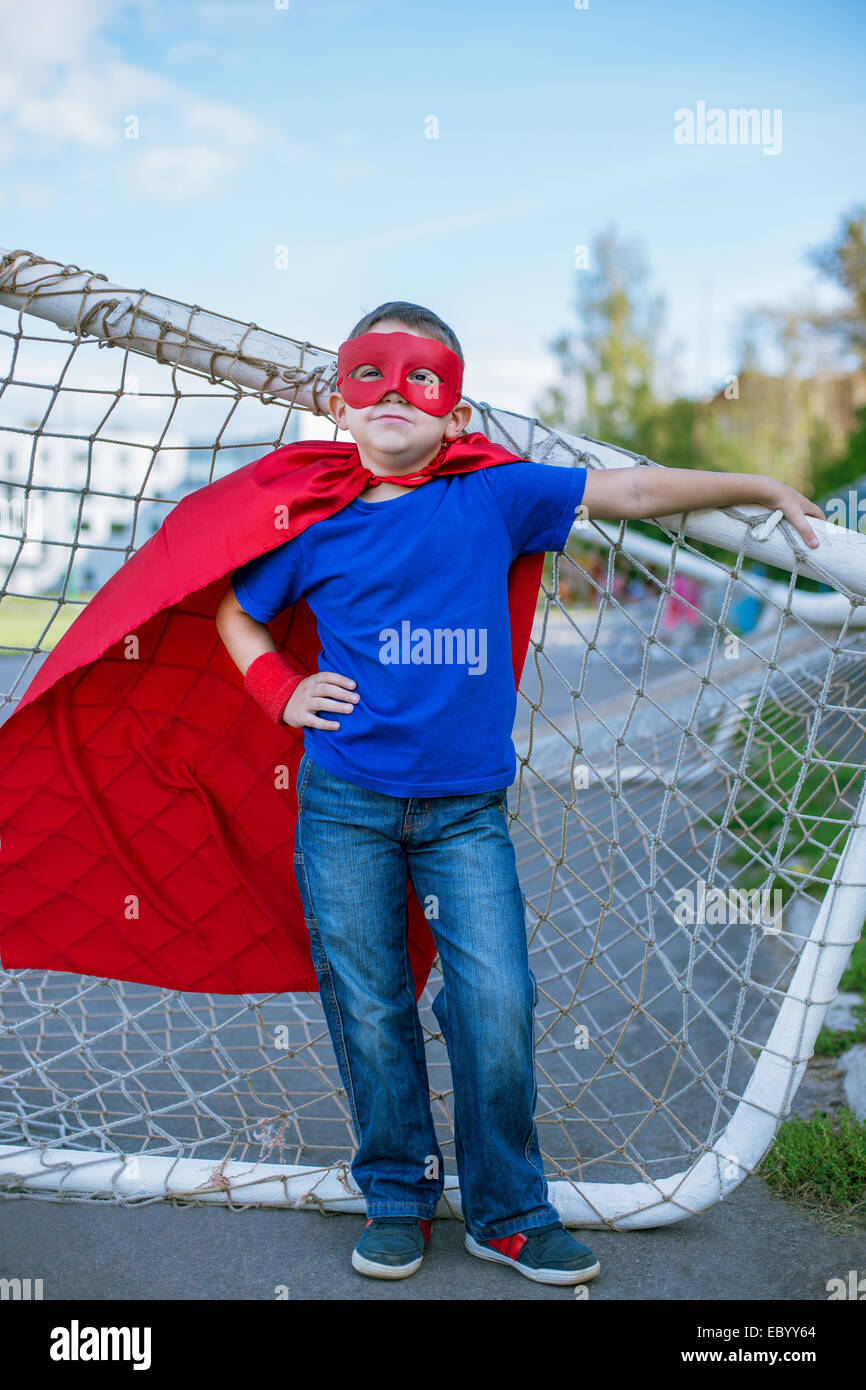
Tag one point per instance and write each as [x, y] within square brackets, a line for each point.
[689, 811]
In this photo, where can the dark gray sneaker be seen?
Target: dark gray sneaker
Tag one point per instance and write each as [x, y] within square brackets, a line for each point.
[391, 1247]
[547, 1254]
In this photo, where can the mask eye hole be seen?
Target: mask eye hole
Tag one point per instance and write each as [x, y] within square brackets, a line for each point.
[424, 375]
[428, 377]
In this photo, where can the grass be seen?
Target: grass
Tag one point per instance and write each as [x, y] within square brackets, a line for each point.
[819, 1164]
[24, 620]
[817, 829]
[832, 1044]
[854, 977]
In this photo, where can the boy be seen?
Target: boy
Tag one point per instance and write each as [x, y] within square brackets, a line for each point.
[408, 586]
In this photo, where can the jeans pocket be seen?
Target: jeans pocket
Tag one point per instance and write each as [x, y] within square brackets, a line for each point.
[304, 888]
[321, 964]
[302, 778]
[320, 959]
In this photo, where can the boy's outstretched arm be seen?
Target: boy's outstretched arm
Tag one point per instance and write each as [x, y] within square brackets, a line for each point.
[628, 494]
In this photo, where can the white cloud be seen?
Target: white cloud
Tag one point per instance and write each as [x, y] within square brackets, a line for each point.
[55, 33]
[68, 114]
[66, 85]
[176, 173]
[195, 51]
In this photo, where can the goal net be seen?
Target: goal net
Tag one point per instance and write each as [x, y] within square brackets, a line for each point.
[688, 813]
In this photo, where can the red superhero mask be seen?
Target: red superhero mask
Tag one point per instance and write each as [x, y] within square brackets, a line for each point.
[397, 355]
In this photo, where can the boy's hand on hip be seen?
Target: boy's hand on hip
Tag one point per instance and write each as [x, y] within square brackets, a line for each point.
[795, 507]
[326, 690]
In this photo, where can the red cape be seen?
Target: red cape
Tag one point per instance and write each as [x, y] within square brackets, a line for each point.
[147, 804]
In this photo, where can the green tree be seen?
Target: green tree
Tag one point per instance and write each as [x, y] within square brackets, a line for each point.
[608, 366]
[843, 260]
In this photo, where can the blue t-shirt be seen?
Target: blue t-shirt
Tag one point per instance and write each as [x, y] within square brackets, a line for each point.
[410, 598]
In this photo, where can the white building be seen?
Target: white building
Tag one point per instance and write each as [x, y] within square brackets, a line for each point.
[88, 507]
[79, 517]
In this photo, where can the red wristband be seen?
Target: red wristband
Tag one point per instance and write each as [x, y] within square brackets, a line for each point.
[272, 681]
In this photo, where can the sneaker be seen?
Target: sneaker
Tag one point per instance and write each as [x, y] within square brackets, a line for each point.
[547, 1254]
[391, 1247]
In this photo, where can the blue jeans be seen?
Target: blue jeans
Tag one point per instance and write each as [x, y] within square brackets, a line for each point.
[353, 850]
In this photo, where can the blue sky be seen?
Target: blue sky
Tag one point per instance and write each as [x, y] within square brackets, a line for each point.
[304, 127]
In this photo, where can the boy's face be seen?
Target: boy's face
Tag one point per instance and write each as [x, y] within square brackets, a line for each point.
[392, 430]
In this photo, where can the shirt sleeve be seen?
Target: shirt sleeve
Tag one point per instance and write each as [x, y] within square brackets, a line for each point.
[537, 502]
[268, 583]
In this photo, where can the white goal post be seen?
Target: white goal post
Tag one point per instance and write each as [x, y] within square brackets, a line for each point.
[653, 773]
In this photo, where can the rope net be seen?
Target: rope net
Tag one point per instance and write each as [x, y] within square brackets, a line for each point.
[688, 811]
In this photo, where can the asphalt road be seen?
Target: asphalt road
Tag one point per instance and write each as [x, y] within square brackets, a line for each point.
[754, 1246]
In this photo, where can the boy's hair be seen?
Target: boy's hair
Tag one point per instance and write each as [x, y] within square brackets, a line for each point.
[413, 316]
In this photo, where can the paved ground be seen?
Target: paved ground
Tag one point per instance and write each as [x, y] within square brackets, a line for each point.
[754, 1246]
